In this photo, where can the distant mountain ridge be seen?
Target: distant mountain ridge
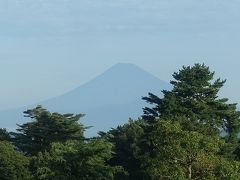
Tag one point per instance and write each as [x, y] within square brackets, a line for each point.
[108, 100]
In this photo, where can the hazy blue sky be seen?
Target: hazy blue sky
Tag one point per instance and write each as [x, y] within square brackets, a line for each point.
[48, 47]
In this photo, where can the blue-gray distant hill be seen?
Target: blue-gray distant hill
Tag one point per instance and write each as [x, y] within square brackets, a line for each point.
[108, 100]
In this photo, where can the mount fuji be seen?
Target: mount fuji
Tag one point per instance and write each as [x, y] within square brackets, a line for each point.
[108, 100]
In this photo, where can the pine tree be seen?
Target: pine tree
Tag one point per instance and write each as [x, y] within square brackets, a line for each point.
[46, 128]
[195, 96]
[184, 129]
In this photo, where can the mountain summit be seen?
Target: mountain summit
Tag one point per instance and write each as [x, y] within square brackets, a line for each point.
[121, 84]
[108, 100]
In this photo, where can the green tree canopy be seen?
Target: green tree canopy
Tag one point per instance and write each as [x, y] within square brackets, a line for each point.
[182, 154]
[46, 128]
[195, 96]
[127, 140]
[76, 161]
[13, 165]
[4, 135]
[184, 127]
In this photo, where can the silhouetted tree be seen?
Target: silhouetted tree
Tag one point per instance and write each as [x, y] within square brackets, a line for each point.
[46, 128]
[4, 135]
[185, 126]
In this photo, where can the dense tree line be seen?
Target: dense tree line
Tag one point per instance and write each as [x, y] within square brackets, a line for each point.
[189, 133]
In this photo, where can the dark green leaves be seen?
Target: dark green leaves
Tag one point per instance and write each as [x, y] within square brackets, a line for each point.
[13, 165]
[46, 128]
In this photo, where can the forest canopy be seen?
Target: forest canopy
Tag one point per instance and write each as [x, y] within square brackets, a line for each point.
[188, 133]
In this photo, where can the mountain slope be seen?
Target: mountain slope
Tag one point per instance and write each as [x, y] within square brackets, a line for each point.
[108, 100]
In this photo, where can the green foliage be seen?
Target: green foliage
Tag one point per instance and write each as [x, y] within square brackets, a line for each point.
[178, 138]
[195, 96]
[182, 153]
[127, 141]
[4, 135]
[46, 128]
[228, 170]
[74, 160]
[185, 125]
[13, 165]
